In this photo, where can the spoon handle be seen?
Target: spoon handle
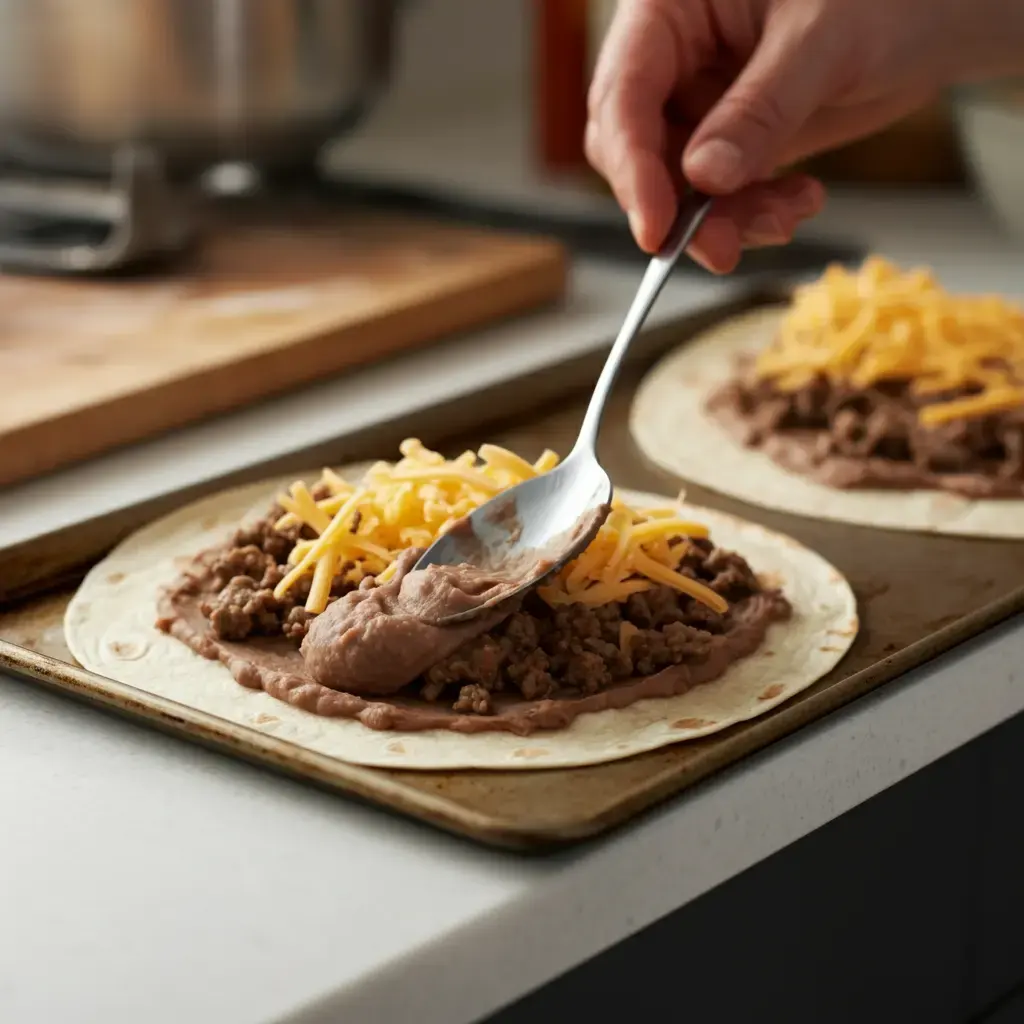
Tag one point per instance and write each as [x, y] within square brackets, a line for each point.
[692, 210]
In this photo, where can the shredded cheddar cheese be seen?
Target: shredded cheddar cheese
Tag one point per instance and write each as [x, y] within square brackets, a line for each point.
[361, 528]
[879, 323]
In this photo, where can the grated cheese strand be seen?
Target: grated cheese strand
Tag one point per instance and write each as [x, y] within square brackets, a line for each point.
[879, 323]
[361, 529]
[320, 589]
[322, 547]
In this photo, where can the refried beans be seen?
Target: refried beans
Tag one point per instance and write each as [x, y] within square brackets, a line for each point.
[489, 573]
[872, 438]
[521, 666]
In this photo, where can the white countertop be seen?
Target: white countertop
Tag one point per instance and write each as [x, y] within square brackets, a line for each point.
[144, 880]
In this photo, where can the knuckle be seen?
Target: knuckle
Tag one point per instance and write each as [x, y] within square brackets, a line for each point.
[596, 95]
[632, 87]
[783, 222]
[758, 110]
[617, 155]
[593, 148]
[611, 146]
[621, 184]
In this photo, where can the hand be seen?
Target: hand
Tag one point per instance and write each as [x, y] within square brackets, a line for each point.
[724, 93]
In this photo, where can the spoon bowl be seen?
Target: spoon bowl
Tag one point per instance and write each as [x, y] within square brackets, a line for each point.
[530, 531]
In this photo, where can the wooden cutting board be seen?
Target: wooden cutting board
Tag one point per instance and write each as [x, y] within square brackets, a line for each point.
[264, 304]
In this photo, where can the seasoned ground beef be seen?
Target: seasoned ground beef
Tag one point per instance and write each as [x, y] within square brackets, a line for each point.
[540, 651]
[264, 535]
[245, 574]
[879, 422]
[537, 652]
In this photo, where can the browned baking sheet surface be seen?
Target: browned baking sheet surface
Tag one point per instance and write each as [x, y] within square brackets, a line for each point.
[918, 595]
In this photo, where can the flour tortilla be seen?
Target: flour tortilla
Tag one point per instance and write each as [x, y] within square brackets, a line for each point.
[672, 429]
[109, 629]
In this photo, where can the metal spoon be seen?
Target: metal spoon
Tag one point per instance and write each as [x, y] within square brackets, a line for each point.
[533, 529]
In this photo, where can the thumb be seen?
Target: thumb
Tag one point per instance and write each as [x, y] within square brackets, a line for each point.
[744, 137]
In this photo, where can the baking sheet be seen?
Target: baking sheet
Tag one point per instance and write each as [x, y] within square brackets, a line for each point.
[919, 595]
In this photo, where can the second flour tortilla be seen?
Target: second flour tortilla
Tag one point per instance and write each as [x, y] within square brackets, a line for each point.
[672, 429]
[110, 630]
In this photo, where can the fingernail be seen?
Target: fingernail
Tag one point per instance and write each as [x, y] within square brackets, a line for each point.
[718, 161]
[802, 195]
[808, 199]
[699, 257]
[765, 229]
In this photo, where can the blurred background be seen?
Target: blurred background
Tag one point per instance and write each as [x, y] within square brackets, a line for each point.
[206, 203]
[477, 107]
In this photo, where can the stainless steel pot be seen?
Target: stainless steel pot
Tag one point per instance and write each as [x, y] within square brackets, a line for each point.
[197, 82]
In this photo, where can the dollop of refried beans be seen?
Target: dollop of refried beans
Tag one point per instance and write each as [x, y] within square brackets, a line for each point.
[380, 638]
[520, 667]
[849, 437]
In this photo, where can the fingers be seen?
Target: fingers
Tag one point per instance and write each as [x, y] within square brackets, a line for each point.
[626, 139]
[766, 213]
[746, 134]
[640, 178]
[836, 126]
